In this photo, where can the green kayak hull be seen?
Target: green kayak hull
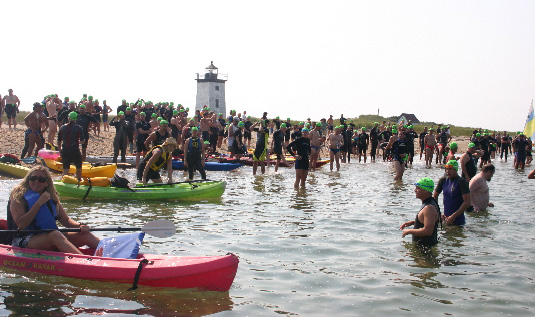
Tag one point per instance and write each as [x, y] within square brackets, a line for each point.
[182, 191]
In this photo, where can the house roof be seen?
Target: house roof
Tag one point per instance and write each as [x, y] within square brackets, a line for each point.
[411, 117]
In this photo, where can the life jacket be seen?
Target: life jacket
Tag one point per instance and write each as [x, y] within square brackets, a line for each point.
[161, 161]
[46, 216]
[194, 147]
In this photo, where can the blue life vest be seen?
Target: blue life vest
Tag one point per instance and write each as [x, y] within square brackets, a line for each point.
[46, 216]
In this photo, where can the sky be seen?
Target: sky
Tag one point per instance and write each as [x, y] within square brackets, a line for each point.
[467, 63]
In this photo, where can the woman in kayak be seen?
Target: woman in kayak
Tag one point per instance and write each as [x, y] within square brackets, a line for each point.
[34, 205]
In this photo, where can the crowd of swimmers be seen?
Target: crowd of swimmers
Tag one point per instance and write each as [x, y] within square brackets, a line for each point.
[155, 132]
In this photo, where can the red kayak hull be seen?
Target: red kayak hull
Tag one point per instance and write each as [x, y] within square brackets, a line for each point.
[211, 273]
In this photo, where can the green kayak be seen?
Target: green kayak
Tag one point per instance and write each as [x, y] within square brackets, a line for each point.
[180, 191]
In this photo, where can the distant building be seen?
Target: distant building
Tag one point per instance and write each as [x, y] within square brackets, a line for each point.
[406, 117]
[211, 91]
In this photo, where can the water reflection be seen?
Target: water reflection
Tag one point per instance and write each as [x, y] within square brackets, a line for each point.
[72, 297]
[422, 256]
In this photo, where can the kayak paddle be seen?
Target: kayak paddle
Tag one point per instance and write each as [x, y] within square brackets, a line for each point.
[161, 228]
[28, 160]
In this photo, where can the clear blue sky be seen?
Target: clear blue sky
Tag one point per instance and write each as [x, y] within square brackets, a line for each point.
[467, 63]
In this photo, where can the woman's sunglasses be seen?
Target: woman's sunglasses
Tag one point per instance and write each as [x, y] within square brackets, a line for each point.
[41, 179]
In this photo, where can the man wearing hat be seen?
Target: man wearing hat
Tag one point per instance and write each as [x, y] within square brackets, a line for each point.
[158, 157]
[425, 231]
[468, 162]
[456, 194]
[70, 136]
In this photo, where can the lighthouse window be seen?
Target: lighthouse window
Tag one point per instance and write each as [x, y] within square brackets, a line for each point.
[217, 102]
[216, 87]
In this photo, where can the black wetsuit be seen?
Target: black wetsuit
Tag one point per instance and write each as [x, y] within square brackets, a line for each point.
[471, 166]
[120, 139]
[374, 139]
[141, 138]
[363, 143]
[409, 139]
[84, 120]
[433, 238]
[302, 148]
[399, 148]
[278, 139]
[160, 138]
[194, 157]
[69, 136]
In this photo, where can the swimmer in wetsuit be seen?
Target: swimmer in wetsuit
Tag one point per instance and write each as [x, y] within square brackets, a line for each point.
[276, 145]
[302, 151]
[399, 148]
[425, 231]
[262, 143]
[456, 194]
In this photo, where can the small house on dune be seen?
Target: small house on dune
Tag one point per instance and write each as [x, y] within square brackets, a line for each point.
[408, 117]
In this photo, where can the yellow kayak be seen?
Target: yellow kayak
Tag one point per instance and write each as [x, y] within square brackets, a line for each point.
[88, 170]
[14, 170]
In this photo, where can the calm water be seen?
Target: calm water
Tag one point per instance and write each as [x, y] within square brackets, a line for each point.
[332, 249]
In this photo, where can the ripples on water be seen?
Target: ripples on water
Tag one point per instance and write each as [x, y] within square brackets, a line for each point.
[333, 248]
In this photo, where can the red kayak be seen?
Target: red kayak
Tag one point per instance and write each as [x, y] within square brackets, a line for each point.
[211, 273]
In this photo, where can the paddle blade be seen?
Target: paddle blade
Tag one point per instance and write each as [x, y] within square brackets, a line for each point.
[28, 160]
[161, 228]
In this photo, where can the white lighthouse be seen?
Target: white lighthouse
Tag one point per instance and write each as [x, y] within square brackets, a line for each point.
[211, 91]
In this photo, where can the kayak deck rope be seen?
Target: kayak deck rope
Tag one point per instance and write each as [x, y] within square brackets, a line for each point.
[88, 189]
[138, 273]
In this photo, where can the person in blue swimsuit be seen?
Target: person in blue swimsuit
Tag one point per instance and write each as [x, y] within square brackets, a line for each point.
[336, 140]
[456, 194]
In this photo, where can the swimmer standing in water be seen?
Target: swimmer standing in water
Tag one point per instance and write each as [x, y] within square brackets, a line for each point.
[336, 141]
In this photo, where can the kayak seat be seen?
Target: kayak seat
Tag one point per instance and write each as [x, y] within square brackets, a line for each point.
[125, 246]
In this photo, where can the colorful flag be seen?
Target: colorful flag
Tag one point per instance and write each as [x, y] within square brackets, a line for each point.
[529, 129]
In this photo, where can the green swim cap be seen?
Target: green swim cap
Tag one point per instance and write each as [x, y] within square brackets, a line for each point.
[160, 119]
[175, 112]
[142, 114]
[485, 134]
[376, 123]
[394, 131]
[486, 130]
[301, 123]
[128, 109]
[363, 128]
[153, 115]
[207, 142]
[471, 145]
[283, 125]
[478, 134]
[194, 129]
[187, 108]
[319, 124]
[162, 122]
[73, 116]
[241, 124]
[172, 103]
[304, 130]
[90, 98]
[426, 183]
[287, 119]
[453, 145]
[120, 113]
[182, 110]
[82, 106]
[452, 163]
[410, 127]
[278, 117]
[405, 126]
